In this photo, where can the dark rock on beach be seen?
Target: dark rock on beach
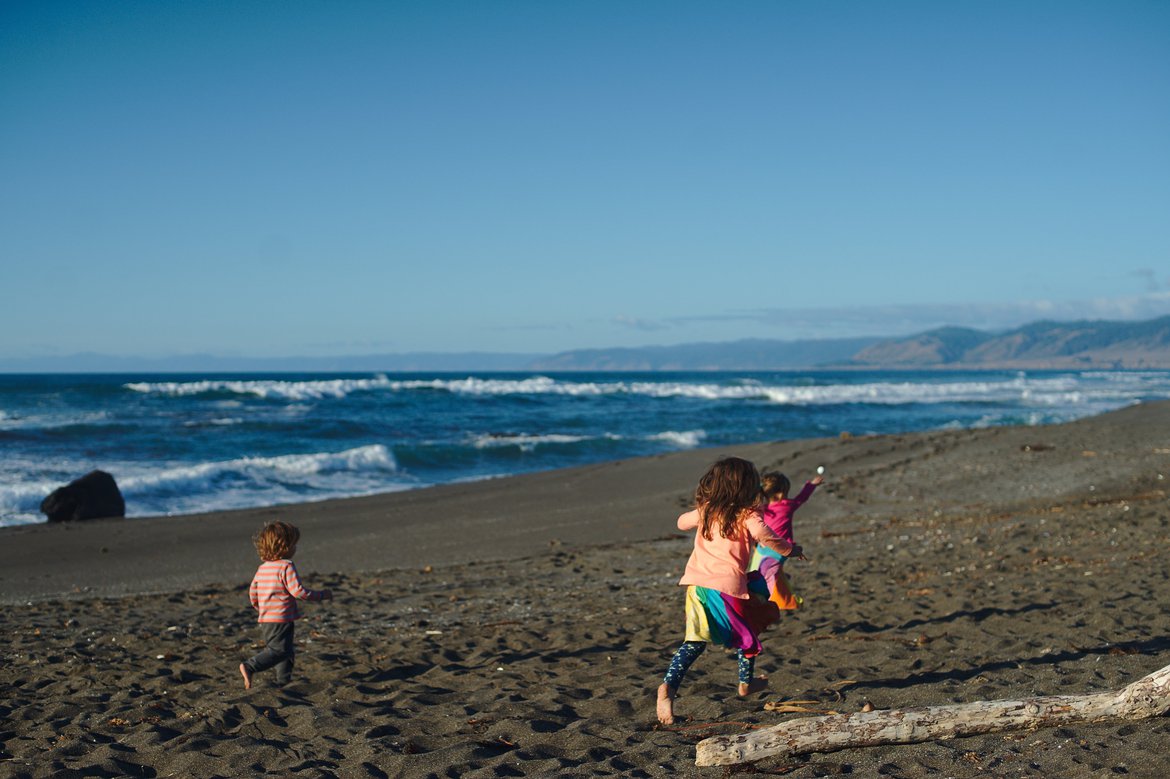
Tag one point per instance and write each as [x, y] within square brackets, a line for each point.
[94, 496]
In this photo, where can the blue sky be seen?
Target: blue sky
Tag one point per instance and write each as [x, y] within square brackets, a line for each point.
[308, 178]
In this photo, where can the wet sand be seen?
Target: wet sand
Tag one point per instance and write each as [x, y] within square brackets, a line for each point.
[519, 627]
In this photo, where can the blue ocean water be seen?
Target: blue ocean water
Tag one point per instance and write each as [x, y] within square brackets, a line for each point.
[181, 444]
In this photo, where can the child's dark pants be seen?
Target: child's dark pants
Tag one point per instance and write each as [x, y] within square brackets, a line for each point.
[277, 652]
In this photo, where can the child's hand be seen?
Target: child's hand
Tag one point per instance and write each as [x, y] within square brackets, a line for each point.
[797, 552]
[817, 480]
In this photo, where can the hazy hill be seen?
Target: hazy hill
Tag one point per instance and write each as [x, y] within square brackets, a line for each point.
[749, 354]
[1037, 345]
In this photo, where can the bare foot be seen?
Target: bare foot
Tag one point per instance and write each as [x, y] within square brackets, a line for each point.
[759, 684]
[665, 704]
[244, 672]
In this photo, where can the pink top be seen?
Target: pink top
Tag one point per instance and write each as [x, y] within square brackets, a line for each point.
[778, 515]
[274, 591]
[722, 563]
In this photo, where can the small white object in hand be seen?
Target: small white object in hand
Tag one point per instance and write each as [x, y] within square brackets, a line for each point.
[820, 469]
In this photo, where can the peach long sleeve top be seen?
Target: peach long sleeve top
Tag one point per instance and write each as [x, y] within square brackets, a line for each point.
[275, 590]
[722, 563]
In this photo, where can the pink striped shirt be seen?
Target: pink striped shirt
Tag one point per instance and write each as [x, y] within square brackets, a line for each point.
[275, 590]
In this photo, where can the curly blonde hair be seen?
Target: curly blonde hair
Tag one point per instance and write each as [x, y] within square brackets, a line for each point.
[727, 493]
[275, 541]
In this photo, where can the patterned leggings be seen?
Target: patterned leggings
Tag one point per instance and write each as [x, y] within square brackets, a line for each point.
[689, 652]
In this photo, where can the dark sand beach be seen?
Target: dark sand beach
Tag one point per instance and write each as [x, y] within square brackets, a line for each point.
[519, 627]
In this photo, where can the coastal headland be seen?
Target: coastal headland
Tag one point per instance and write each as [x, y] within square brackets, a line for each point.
[519, 626]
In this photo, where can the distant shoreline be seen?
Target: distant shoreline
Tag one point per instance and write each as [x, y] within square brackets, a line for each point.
[844, 368]
[1043, 345]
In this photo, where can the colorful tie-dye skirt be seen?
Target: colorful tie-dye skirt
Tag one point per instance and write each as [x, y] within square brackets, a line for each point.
[736, 623]
[771, 566]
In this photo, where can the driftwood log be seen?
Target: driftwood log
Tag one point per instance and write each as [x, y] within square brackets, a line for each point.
[1147, 697]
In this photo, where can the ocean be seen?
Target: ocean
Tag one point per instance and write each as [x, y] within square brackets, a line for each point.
[184, 444]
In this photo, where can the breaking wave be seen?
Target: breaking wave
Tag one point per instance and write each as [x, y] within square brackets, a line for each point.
[1055, 390]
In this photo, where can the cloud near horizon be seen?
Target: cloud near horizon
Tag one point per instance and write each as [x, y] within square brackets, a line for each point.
[1150, 277]
[637, 323]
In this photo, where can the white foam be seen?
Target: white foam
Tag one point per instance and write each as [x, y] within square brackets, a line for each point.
[244, 482]
[686, 439]
[1065, 389]
[25, 481]
[280, 390]
[51, 421]
[219, 422]
[20, 503]
[366, 458]
[525, 442]
[1046, 391]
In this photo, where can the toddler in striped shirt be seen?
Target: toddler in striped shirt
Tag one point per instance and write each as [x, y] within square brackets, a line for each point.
[274, 593]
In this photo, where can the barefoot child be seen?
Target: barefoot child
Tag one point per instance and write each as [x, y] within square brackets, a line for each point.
[724, 603]
[778, 517]
[274, 593]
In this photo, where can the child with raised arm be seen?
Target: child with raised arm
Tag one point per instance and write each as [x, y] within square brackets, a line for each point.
[778, 517]
[274, 593]
[724, 603]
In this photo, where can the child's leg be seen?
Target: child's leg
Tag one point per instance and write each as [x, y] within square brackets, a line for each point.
[277, 652]
[682, 660]
[287, 648]
[284, 668]
[748, 683]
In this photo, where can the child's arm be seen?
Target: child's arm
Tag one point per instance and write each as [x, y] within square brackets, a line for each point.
[254, 594]
[292, 583]
[689, 520]
[805, 493]
[764, 535]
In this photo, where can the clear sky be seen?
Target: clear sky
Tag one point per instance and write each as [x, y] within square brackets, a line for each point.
[319, 178]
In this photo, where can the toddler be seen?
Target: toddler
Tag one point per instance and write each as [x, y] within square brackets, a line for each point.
[274, 593]
[778, 515]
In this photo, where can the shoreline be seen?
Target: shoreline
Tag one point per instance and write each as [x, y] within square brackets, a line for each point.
[520, 626]
[502, 518]
[387, 531]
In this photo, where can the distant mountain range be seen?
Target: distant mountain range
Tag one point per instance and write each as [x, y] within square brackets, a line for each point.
[749, 354]
[1037, 346]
